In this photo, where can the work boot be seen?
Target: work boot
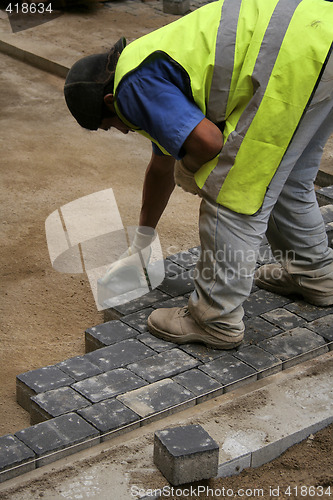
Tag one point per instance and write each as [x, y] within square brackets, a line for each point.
[317, 290]
[177, 325]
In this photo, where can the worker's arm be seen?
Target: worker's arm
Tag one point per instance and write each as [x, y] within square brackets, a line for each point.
[157, 188]
[203, 144]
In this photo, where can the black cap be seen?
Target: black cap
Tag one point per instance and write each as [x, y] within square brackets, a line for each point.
[85, 85]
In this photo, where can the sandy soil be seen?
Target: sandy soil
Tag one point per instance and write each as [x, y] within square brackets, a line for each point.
[48, 161]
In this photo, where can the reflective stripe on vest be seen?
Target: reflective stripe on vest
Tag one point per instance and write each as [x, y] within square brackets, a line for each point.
[254, 148]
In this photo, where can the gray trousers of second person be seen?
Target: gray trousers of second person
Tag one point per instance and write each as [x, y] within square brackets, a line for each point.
[290, 214]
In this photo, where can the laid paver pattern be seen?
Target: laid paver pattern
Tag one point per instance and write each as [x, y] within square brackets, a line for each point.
[128, 377]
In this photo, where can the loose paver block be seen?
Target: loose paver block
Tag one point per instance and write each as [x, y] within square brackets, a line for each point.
[14, 453]
[160, 396]
[59, 437]
[178, 284]
[284, 319]
[36, 381]
[138, 320]
[119, 355]
[298, 344]
[79, 368]
[163, 365]
[110, 417]
[108, 385]
[199, 384]
[108, 333]
[262, 361]
[51, 404]
[262, 301]
[185, 454]
[323, 326]
[230, 371]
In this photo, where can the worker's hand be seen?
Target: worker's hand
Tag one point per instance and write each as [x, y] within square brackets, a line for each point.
[127, 273]
[185, 178]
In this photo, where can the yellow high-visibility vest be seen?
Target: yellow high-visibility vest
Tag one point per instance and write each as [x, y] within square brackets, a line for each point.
[253, 64]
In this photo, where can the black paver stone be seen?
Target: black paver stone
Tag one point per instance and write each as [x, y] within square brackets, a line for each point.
[259, 359]
[57, 402]
[119, 355]
[228, 370]
[178, 284]
[263, 301]
[79, 368]
[109, 333]
[13, 453]
[108, 415]
[138, 320]
[163, 365]
[284, 319]
[108, 385]
[197, 382]
[323, 326]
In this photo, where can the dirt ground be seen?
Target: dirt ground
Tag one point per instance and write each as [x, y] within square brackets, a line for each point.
[48, 161]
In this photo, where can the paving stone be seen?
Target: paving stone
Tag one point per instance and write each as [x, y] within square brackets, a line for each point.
[108, 385]
[185, 259]
[230, 371]
[165, 396]
[119, 355]
[163, 365]
[262, 361]
[138, 320]
[36, 381]
[79, 368]
[257, 329]
[185, 454]
[14, 453]
[155, 343]
[298, 344]
[171, 268]
[308, 311]
[325, 195]
[178, 284]
[179, 301]
[178, 7]
[51, 404]
[327, 213]
[108, 333]
[56, 438]
[262, 301]
[142, 302]
[201, 352]
[323, 326]
[199, 384]
[196, 251]
[110, 417]
[284, 319]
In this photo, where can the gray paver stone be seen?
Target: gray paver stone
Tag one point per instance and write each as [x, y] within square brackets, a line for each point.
[230, 371]
[178, 284]
[14, 453]
[298, 344]
[202, 353]
[283, 318]
[55, 439]
[36, 381]
[119, 355]
[155, 343]
[263, 301]
[199, 383]
[179, 301]
[163, 365]
[323, 326]
[262, 361]
[164, 395]
[108, 333]
[138, 320]
[109, 416]
[186, 259]
[108, 385]
[51, 404]
[308, 311]
[185, 454]
[79, 368]
[178, 7]
[257, 329]
[142, 302]
[171, 268]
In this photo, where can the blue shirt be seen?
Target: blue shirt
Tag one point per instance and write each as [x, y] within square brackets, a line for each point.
[157, 98]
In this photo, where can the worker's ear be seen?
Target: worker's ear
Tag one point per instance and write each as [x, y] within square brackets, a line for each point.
[108, 100]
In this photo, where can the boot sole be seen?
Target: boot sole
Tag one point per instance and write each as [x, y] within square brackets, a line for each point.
[189, 338]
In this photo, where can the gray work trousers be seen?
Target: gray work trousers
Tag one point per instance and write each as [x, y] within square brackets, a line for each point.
[290, 215]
